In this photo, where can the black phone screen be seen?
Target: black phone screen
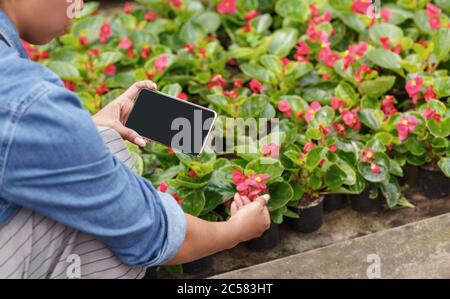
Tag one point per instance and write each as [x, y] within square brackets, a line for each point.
[171, 122]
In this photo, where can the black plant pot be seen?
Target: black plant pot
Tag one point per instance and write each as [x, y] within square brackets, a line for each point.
[199, 266]
[364, 204]
[269, 239]
[151, 273]
[410, 176]
[334, 202]
[434, 184]
[311, 218]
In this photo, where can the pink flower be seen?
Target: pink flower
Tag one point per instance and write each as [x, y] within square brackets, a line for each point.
[125, 44]
[272, 150]
[340, 129]
[192, 174]
[368, 155]
[256, 86]
[83, 40]
[430, 94]
[309, 146]
[333, 148]
[189, 48]
[388, 106]
[434, 22]
[375, 168]
[385, 42]
[182, 96]
[386, 14]
[145, 53]
[70, 85]
[176, 3]
[354, 52]
[350, 118]
[110, 70]
[285, 61]
[312, 32]
[315, 12]
[227, 7]
[285, 108]
[336, 103]
[232, 94]
[405, 126]
[161, 63]
[250, 186]
[127, 8]
[238, 82]
[101, 89]
[217, 81]
[105, 32]
[93, 52]
[303, 49]
[311, 112]
[325, 130]
[163, 187]
[364, 69]
[150, 16]
[251, 15]
[328, 56]
[361, 6]
[430, 113]
[433, 13]
[414, 87]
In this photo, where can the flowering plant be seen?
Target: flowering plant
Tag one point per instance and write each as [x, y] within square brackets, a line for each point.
[359, 90]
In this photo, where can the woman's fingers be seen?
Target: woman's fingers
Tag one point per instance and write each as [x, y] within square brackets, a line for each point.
[132, 92]
[130, 135]
[246, 200]
[238, 200]
[233, 208]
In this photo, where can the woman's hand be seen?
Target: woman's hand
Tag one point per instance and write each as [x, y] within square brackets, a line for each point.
[116, 113]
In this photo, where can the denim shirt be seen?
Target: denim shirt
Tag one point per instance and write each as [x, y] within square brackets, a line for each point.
[54, 162]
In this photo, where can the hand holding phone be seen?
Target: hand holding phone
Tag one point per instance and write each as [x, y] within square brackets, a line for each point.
[171, 122]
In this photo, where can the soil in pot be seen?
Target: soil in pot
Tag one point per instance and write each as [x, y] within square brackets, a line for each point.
[364, 204]
[311, 216]
[334, 202]
[199, 266]
[410, 176]
[433, 183]
[269, 239]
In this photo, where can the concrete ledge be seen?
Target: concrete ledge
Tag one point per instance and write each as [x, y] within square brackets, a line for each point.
[416, 250]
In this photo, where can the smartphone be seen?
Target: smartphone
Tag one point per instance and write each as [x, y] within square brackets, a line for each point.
[172, 122]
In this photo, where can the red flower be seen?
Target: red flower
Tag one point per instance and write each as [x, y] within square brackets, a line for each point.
[386, 14]
[227, 7]
[285, 61]
[182, 96]
[217, 81]
[233, 94]
[375, 168]
[361, 6]
[248, 19]
[177, 198]
[303, 49]
[127, 8]
[150, 75]
[430, 113]
[351, 119]
[94, 52]
[384, 40]
[333, 148]
[364, 69]
[414, 87]
[151, 16]
[285, 108]
[368, 155]
[105, 32]
[325, 130]
[336, 103]
[189, 48]
[238, 82]
[433, 13]
[145, 53]
[102, 89]
[315, 12]
[83, 40]
[176, 3]
[354, 51]
[430, 94]
[192, 174]
[405, 126]
[309, 146]
[170, 150]
[340, 129]
[311, 112]
[161, 63]
[272, 150]
[388, 106]
[328, 56]
[110, 70]
[256, 87]
[70, 85]
[163, 187]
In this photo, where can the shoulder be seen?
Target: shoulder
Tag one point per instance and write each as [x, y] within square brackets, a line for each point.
[23, 79]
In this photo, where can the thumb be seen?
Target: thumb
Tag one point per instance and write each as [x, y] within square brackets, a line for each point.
[130, 135]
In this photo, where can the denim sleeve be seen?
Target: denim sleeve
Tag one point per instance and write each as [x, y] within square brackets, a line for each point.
[58, 166]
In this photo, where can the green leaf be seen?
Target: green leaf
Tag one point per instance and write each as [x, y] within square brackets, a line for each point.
[391, 191]
[314, 157]
[334, 177]
[439, 129]
[377, 87]
[296, 10]
[280, 194]
[64, 70]
[253, 106]
[444, 165]
[385, 59]
[255, 71]
[442, 44]
[283, 41]
[194, 203]
[385, 30]
[371, 118]
[272, 63]
[382, 161]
